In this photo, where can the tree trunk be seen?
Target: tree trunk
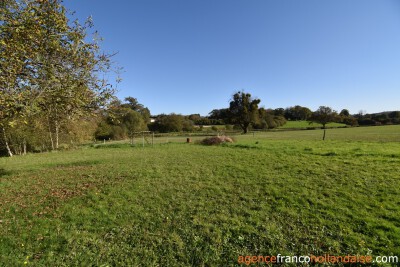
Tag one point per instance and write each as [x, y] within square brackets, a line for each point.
[245, 128]
[24, 147]
[57, 131]
[51, 140]
[57, 127]
[6, 142]
[323, 137]
[51, 136]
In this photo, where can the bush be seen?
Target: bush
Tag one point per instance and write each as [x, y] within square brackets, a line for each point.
[103, 131]
[229, 127]
[237, 127]
[216, 140]
[64, 147]
[188, 125]
[171, 123]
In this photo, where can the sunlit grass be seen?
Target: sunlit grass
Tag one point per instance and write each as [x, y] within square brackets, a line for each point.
[178, 204]
[306, 124]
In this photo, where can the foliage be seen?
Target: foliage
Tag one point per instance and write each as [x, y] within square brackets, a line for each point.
[133, 122]
[324, 115]
[344, 113]
[243, 110]
[394, 115]
[50, 73]
[382, 118]
[171, 123]
[295, 113]
[122, 120]
[104, 131]
[267, 120]
[133, 104]
[219, 115]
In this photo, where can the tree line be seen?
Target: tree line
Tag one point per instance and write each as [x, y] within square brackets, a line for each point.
[244, 113]
[123, 119]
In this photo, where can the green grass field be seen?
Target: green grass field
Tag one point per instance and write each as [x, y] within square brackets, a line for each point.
[178, 204]
[306, 124]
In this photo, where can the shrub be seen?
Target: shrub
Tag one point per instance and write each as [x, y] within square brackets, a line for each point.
[228, 127]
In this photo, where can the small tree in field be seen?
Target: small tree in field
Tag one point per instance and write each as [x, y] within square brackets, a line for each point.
[324, 115]
[243, 110]
[133, 122]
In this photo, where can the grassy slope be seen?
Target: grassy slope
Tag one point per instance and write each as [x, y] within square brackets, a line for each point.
[306, 124]
[184, 204]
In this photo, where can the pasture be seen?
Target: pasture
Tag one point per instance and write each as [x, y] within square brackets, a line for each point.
[306, 124]
[179, 204]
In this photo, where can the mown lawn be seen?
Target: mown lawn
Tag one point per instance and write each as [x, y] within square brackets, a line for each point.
[178, 204]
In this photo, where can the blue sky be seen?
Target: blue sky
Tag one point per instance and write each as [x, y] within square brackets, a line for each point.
[190, 56]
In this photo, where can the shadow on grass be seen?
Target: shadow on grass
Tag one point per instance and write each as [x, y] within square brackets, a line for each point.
[115, 146]
[3, 172]
[242, 146]
[75, 164]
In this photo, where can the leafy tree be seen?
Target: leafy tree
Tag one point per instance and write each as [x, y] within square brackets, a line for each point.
[133, 122]
[187, 125]
[267, 119]
[350, 120]
[104, 131]
[122, 120]
[171, 123]
[133, 103]
[304, 113]
[346, 118]
[323, 115]
[394, 115]
[297, 113]
[279, 120]
[279, 112]
[243, 110]
[14, 48]
[219, 114]
[344, 113]
[195, 117]
[47, 67]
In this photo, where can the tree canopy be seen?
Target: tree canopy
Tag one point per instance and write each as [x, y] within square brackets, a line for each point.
[324, 115]
[243, 110]
[49, 71]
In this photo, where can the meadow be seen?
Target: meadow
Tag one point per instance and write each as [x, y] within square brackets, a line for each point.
[184, 204]
[306, 124]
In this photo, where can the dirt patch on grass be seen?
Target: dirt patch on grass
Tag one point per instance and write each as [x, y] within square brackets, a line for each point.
[66, 193]
[75, 165]
[40, 195]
